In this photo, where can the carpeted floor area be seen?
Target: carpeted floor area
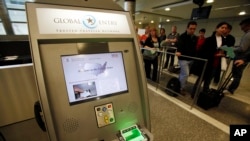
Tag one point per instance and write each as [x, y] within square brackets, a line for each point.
[173, 123]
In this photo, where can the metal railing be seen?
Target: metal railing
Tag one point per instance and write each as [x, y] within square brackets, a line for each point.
[162, 59]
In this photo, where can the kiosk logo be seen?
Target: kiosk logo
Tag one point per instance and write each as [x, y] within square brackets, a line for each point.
[61, 21]
[89, 21]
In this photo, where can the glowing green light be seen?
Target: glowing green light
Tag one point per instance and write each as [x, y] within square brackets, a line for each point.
[132, 134]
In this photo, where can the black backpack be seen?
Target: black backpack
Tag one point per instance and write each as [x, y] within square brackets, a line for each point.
[173, 85]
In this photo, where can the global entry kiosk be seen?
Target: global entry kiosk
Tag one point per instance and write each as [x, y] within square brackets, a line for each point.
[89, 73]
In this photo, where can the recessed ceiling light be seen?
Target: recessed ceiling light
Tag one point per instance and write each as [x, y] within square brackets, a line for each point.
[139, 22]
[152, 21]
[242, 13]
[167, 9]
[167, 20]
[210, 1]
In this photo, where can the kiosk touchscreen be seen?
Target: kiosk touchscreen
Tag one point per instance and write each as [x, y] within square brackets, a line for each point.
[89, 72]
[93, 76]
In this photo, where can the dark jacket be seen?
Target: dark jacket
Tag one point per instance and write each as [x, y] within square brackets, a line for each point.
[229, 40]
[208, 51]
[150, 43]
[187, 46]
[162, 38]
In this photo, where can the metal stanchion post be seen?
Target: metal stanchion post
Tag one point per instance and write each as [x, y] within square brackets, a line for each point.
[196, 95]
[162, 60]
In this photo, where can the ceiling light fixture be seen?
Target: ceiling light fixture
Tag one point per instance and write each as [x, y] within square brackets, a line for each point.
[167, 9]
[167, 20]
[242, 13]
[210, 1]
[152, 21]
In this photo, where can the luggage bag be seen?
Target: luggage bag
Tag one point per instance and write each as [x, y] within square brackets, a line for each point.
[212, 97]
[173, 85]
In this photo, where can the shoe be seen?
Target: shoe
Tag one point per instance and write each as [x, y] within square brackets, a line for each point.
[227, 92]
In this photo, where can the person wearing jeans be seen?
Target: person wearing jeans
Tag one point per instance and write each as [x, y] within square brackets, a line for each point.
[184, 72]
[186, 46]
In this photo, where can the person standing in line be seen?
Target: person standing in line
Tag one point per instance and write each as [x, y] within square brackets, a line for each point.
[242, 54]
[197, 63]
[162, 36]
[201, 39]
[145, 35]
[171, 41]
[212, 52]
[186, 46]
[229, 40]
[151, 47]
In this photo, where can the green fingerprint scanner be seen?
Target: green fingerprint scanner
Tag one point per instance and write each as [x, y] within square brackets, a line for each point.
[133, 133]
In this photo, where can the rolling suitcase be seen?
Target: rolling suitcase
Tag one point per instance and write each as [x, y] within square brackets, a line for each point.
[212, 97]
[209, 99]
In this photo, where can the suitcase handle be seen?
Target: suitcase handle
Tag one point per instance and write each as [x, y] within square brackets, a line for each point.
[225, 83]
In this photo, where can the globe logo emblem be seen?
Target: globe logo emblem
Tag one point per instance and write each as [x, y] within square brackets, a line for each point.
[89, 21]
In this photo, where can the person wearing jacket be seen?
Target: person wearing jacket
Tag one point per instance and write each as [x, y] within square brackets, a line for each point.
[210, 51]
[151, 47]
[186, 46]
[242, 54]
[229, 40]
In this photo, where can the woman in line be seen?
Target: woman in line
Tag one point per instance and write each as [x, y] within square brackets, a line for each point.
[150, 54]
[212, 52]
